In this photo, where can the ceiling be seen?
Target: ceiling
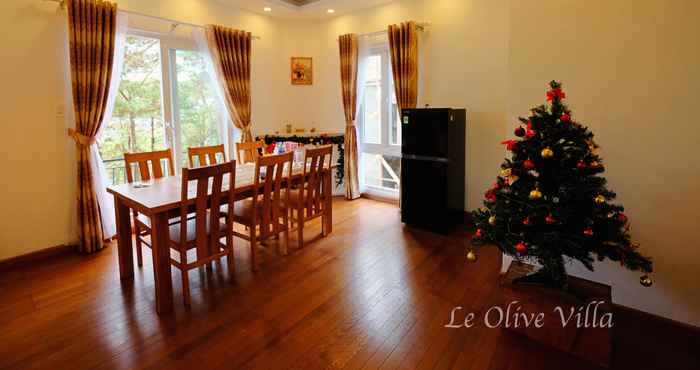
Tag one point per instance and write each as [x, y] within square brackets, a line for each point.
[304, 9]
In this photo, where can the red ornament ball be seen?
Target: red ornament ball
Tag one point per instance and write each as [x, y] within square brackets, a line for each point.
[528, 165]
[479, 233]
[521, 247]
[519, 132]
[588, 232]
[565, 117]
[530, 134]
[622, 217]
[550, 220]
[581, 165]
[527, 221]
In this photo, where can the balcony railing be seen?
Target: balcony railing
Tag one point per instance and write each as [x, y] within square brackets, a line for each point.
[116, 170]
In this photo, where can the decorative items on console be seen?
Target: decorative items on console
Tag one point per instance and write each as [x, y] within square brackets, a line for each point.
[276, 142]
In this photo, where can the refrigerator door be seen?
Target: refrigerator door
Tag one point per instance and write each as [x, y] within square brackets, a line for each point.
[423, 194]
[424, 133]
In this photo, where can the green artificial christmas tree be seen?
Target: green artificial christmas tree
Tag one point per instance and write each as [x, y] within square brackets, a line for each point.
[549, 201]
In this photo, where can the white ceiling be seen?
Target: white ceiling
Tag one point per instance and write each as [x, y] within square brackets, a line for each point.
[312, 10]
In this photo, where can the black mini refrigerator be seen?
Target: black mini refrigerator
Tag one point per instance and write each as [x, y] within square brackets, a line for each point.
[433, 168]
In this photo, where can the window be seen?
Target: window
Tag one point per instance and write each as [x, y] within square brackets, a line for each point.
[379, 127]
[165, 100]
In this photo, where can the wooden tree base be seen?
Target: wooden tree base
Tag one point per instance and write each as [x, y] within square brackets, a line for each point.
[585, 334]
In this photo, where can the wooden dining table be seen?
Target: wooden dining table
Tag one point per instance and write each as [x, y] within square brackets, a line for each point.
[160, 200]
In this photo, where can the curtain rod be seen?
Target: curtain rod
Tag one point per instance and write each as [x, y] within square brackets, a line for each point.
[420, 26]
[62, 4]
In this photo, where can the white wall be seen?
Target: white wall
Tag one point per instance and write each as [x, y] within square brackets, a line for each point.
[630, 71]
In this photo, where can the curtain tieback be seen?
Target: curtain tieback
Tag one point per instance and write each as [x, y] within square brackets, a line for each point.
[80, 139]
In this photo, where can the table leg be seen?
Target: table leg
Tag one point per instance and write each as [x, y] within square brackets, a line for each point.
[125, 249]
[161, 262]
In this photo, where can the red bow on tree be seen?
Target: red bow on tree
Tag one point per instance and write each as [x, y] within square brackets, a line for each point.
[510, 144]
[555, 94]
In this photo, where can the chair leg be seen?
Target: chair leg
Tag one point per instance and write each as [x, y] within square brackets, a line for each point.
[139, 253]
[287, 226]
[300, 231]
[186, 287]
[229, 257]
[253, 254]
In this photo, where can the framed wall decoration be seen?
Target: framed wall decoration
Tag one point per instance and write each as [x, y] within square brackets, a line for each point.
[302, 71]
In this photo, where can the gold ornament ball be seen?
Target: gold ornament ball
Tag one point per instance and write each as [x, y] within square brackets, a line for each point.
[535, 194]
[547, 153]
[492, 220]
[471, 256]
[645, 280]
[506, 172]
[600, 199]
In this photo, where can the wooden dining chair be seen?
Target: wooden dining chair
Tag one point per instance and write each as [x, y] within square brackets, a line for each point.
[308, 200]
[150, 166]
[249, 152]
[206, 155]
[204, 231]
[269, 204]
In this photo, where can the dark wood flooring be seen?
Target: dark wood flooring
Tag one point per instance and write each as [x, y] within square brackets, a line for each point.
[372, 295]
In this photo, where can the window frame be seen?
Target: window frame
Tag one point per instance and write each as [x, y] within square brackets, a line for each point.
[388, 113]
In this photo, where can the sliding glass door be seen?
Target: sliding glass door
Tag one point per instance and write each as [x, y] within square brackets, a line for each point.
[380, 135]
[165, 100]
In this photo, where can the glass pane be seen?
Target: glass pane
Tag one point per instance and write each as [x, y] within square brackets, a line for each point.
[395, 122]
[137, 120]
[372, 119]
[197, 108]
[382, 171]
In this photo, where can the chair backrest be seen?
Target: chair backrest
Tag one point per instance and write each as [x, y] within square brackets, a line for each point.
[316, 162]
[206, 155]
[142, 160]
[272, 191]
[208, 200]
[248, 152]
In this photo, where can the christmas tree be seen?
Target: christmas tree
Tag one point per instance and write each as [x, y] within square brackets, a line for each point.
[550, 201]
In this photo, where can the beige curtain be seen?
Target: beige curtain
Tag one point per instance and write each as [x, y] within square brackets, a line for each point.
[230, 50]
[348, 77]
[403, 44]
[91, 32]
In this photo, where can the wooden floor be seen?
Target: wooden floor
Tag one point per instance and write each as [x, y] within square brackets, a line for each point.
[372, 295]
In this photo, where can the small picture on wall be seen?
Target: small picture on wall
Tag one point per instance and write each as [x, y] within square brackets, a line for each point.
[302, 71]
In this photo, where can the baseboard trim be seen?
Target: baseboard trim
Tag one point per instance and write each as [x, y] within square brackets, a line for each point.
[29, 258]
[683, 327]
[380, 199]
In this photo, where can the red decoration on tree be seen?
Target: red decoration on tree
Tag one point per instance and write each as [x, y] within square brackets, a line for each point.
[528, 165]
[555, 93]
[510, 144]
[490, 196]
[527, 221]
[519, 132]
[530, 133]
[565, 117]
[521, 248]
[550, 220]
[479, 233]
[581, 165]
[588, 232]
[529, 125]
[622, 217]
[495, 186]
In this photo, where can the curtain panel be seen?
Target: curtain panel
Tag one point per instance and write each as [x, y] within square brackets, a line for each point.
[403, 45]
[348, 75]
[91, 32]
[230, 52]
